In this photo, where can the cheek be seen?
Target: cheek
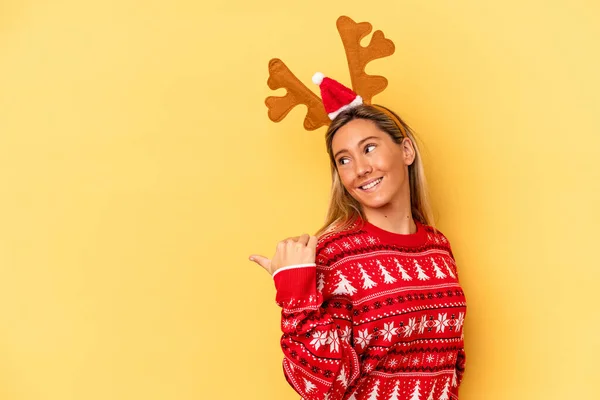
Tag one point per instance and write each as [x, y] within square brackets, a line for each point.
[395, 164]
[346, 179]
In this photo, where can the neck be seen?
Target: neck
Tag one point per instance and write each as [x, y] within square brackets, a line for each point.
[392, 219]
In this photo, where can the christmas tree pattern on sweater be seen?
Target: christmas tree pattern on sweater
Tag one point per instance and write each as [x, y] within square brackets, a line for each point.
[380, 317]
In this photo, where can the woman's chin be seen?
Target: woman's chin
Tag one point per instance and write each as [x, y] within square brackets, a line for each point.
[373, 203]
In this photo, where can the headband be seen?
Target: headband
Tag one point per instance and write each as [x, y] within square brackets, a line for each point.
[393, 118]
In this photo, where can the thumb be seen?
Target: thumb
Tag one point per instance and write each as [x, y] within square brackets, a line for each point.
[312, 242]
[262, 261]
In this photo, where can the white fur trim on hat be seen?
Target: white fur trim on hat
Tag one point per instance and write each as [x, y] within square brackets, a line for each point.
[356, 102]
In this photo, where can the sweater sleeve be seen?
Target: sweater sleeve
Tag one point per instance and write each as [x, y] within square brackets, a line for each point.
[460, 365]
[319, 360]
[461, 356]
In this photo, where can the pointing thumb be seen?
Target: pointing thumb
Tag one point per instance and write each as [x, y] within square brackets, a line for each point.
[262, 261]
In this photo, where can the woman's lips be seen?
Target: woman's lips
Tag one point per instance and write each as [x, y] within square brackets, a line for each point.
[371, 186]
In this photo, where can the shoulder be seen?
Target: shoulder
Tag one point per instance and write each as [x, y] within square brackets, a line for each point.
[437, 238]
[333, 243]
[436, 235]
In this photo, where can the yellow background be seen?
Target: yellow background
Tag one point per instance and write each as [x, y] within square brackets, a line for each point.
[138, 171]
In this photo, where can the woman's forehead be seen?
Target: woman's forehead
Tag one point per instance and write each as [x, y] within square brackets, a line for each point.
[356, 131]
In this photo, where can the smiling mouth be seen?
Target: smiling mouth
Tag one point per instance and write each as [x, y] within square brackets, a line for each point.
[371, 185]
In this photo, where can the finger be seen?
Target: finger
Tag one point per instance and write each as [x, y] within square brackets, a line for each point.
[312, 242]
[304, 239]
[262, 261]
[284, 242]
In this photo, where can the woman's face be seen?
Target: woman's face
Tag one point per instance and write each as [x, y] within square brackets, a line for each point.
[372, 167]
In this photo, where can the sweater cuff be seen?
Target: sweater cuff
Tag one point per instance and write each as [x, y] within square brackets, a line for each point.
[293, 266]
[296, 285]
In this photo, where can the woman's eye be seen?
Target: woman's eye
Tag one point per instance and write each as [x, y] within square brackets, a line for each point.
[370, 146]
[342, 161]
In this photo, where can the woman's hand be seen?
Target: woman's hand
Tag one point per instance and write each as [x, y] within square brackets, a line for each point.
[291, 251]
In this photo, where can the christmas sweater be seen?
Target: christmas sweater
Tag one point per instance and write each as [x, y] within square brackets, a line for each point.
[379, 316]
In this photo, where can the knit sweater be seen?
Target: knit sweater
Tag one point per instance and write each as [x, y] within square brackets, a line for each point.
[379, 316]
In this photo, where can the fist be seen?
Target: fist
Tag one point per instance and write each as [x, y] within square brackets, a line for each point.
[291, 251]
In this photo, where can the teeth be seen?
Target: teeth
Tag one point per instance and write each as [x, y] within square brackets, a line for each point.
[370, 185]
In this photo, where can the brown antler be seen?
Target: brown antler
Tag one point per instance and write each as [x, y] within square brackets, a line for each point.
[358, 56]
[297, 93]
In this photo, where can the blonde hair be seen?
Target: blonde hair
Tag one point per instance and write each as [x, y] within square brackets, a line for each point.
[344, 211]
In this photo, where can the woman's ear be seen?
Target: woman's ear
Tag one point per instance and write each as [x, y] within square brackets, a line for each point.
[408, 151]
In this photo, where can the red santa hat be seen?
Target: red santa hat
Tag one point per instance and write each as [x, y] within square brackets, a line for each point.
[336, 97]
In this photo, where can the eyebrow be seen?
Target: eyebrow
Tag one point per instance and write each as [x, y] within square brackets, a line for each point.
[359, 144]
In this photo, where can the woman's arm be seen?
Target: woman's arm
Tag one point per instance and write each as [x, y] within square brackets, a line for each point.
[320, 362]
[460, 366]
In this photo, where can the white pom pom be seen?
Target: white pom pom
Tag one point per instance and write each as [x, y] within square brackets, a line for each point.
[318, 78]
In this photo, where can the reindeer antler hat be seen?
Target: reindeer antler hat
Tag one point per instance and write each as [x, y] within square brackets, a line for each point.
[335, 96]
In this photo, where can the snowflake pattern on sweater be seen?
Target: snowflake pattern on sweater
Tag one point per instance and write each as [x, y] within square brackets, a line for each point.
[380, 317]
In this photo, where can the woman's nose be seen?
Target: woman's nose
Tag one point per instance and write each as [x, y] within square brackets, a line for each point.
[363, 167]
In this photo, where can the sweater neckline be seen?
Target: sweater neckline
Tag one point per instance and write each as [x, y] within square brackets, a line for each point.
[405, 240]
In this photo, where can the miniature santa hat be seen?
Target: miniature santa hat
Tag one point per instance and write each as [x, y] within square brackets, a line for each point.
[336, 97]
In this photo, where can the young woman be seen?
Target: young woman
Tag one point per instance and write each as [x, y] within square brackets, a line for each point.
[372, 309]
